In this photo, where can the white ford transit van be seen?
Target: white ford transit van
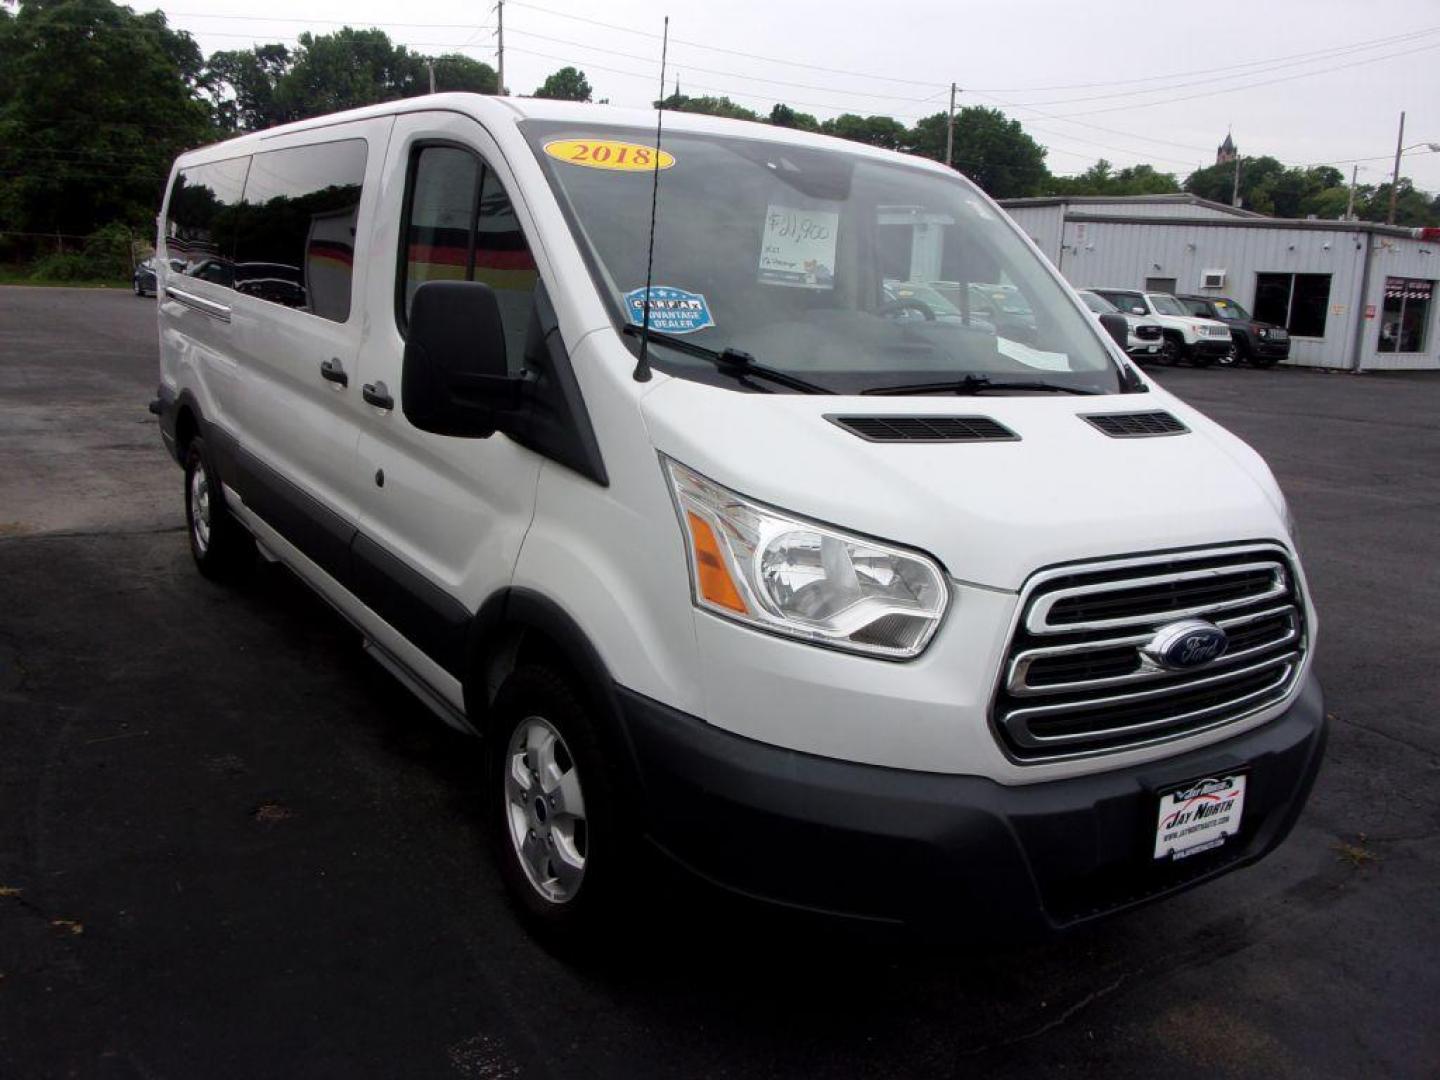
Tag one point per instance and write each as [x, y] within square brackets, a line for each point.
[836, 597]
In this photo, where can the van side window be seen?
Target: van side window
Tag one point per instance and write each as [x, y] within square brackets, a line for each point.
[461, 226]
[201, 217]
[296, 241]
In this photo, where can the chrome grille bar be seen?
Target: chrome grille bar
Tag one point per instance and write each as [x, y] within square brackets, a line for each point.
[1038, 620]
[1017, 683]
[1225, 711]
[1076, 681]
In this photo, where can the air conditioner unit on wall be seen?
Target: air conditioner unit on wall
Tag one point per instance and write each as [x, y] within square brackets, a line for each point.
[1212, 279]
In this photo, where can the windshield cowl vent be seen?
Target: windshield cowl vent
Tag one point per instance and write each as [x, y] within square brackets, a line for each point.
[1137, 425]
[925, 429]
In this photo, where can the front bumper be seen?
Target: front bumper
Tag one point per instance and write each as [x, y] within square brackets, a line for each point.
[951, 856]
[1216, 347]
[1270, 350]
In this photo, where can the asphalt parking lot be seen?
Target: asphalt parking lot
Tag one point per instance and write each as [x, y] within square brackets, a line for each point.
[232, 846]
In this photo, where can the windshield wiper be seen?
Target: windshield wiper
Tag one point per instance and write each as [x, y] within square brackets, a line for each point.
[976, 384]
[733, 362]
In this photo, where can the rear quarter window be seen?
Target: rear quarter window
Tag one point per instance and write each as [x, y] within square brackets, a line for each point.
[201, 218]
[295, 243]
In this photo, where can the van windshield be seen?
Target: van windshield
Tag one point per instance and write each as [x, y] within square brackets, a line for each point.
[851, 273]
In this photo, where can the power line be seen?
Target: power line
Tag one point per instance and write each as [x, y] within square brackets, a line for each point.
[731, 52]
[726, 74]
[1252, 85]
[1224, 78]
[1263, 62]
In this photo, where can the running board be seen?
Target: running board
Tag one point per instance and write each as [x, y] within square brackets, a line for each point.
[433, 701]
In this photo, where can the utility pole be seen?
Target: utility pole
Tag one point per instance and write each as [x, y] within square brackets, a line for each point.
[500, 32]
[1395, 179]
[950, 129]
[1350, 203]
[431, 65]
[1235, 187]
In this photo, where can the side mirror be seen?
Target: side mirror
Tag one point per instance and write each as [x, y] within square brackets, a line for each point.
[1118, 327]
[455, 379]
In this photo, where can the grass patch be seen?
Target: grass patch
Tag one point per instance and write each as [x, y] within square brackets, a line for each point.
[10, 275]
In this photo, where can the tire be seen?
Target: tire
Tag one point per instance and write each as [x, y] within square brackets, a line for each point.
[222, 549]
[1231, 358]
[1172, 351]
[563, 847]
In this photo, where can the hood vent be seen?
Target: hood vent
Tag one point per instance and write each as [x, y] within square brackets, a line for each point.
[1137, 425]
[925, 429]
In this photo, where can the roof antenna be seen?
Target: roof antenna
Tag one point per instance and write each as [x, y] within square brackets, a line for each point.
[642, 366]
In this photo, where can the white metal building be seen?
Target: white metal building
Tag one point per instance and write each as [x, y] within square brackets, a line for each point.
[1354, 296]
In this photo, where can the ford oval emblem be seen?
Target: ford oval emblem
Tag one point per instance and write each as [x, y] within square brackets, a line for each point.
[1186, 645]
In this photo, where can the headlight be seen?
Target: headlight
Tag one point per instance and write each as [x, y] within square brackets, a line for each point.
[1262, 332]
[1291, 525]
[764, 568]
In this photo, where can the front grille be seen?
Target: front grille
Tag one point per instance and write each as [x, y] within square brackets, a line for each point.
[1148, 332]
[1136, 425]
[926, 428]
[1076, 681]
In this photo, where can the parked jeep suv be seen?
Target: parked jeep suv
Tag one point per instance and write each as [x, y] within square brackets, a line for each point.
[1259, 343]
[1143, 339]
[1202, 341]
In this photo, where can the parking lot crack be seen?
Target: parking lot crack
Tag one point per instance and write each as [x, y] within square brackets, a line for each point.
[1407, 743]
[1059, 1021]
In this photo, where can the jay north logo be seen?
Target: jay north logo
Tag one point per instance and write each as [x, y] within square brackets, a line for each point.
[1201, 802]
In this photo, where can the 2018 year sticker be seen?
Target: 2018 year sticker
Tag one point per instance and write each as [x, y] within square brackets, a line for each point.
[608, 154]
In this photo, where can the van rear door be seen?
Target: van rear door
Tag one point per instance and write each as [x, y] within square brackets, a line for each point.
[297, 322]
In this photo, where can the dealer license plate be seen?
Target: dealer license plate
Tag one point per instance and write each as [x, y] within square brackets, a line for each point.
[1199, 816]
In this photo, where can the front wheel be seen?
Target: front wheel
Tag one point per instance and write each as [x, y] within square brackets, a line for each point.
[556, 827]
[1231, 357]
[222, 549]
[1172, 351]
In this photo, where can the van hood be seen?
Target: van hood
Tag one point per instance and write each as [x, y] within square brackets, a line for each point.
[991, 512]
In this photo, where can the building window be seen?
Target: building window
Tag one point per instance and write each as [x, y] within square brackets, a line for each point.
[1406, 316]
[1297, 302]
[296, 242]
[1160, 284]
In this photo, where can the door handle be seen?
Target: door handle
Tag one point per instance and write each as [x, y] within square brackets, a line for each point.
[378, 395]
[333, 371]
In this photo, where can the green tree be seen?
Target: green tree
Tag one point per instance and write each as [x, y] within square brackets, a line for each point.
[455, 73]
[1413, 207]
[256, 88]
[567, 84]
[1260, 178]
[245, 86]
[711, 106]
[990, 148]
[881, 131]
[347, 69]
[96, 103]
[785, 116]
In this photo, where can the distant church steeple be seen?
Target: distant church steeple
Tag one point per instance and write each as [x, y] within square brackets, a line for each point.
[1226, 151]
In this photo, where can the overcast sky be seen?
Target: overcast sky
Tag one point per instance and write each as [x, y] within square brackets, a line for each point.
[1306, 81]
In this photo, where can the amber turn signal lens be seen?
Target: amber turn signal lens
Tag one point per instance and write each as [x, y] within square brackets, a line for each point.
[716, 585]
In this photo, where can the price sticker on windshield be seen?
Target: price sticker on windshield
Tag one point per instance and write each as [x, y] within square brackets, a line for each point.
[608, 154]
[797, 247]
